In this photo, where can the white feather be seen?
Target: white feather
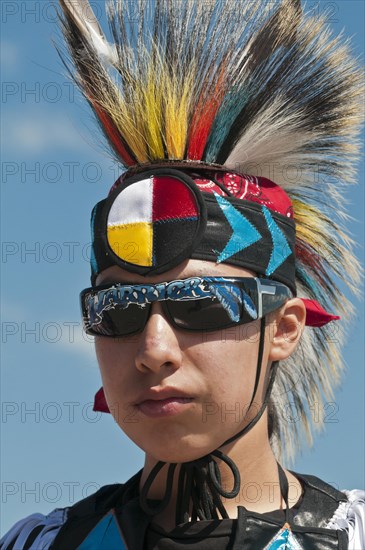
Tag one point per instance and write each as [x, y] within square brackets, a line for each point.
[84, 17]
[269, 150]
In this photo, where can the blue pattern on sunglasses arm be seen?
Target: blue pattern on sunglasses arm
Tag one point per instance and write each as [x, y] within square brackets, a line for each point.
[232, 297]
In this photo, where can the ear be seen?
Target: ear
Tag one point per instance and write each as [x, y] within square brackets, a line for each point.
[286, 329]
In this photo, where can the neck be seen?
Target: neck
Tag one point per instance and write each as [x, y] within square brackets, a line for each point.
[259, 490]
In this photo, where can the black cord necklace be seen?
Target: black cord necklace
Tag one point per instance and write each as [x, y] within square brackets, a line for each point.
[199, 480]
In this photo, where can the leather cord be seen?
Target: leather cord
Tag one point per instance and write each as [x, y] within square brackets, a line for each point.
[199, 482]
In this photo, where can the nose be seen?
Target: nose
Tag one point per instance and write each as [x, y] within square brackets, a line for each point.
[158, 345]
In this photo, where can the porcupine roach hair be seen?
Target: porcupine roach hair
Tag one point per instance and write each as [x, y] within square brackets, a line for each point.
[258, 87]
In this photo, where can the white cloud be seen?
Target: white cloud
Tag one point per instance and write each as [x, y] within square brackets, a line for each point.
[12, 312]
[74, 340]
[41, 132]
[9, 55]
[67, 336]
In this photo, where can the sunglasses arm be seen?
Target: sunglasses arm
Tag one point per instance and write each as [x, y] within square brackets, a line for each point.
[270, 296]
[263, 290]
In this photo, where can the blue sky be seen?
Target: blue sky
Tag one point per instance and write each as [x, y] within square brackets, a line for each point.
[55, 450]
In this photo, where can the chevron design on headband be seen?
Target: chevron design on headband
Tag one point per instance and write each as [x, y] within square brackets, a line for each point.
[281, 249]
[244, 233]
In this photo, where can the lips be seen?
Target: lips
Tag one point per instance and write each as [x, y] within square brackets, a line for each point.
[162, 394]
[157, 408]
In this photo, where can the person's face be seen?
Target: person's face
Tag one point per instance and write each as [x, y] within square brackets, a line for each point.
[216, 370]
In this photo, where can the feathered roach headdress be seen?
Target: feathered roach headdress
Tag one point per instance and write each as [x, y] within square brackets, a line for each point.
[217, 89]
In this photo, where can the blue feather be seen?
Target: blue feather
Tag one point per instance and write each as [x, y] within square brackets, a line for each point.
[249, 305]
[229, 296]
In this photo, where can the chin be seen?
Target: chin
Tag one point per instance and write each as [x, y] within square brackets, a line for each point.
[175, 457]
[183, 450]
[173, 443]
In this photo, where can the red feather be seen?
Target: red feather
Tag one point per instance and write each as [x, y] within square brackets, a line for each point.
[113, 135]
[203, 119]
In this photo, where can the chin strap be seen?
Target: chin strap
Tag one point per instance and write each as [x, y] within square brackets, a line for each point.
[199, 482]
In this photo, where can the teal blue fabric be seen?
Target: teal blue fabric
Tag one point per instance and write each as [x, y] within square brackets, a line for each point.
[281, 249]
[104, 536]
[284, 540]
[244, 233]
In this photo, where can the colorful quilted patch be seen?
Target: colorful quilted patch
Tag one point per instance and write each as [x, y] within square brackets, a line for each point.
[105, 536]
[153, 220]
[284, 540]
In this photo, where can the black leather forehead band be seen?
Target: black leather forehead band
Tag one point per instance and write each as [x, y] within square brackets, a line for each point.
[158, 218]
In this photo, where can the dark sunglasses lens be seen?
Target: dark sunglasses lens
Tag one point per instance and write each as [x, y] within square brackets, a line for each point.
[121, 321]
[234, 303]
[205, 314]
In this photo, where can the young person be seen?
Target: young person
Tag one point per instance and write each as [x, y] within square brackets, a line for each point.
[213, 287]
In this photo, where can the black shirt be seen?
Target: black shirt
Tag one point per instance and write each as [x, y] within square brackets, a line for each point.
[250, 531]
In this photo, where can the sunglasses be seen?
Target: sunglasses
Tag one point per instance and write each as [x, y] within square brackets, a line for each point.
[194, 304]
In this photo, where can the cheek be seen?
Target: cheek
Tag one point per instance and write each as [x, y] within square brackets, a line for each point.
[220, 369]
[227, 363]
[114, 359]
[231, 346]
